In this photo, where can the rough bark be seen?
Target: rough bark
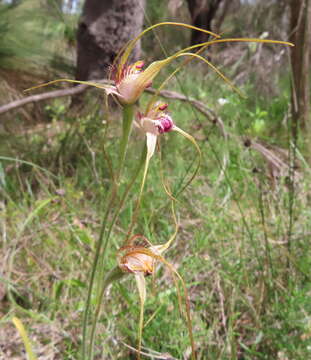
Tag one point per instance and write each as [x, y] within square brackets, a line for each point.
[300, 60]
[104, 28]
[221, 17]
[202, 14]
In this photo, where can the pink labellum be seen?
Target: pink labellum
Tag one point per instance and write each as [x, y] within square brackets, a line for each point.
[155, 122]
[165, 124]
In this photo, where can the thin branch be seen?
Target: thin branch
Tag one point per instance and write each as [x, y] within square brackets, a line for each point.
[40, 97]
[271, 157]
[201, 107]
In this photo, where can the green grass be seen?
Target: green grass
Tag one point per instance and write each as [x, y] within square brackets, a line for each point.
[249, 290]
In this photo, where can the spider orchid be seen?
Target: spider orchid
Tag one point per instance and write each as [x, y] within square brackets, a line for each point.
[130, 80]
[155, 122]
[138, 256]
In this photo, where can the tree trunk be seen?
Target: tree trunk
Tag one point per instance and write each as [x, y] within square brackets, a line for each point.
[300, 60]
[220, 18]
[202, 14]
[105, 27]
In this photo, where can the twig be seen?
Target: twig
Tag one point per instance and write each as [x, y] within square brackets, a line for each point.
[40, 97]
[153, 354]
[222, 302]
[202, 108]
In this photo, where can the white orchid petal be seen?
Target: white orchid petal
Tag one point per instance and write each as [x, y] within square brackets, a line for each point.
[141, 285]
[128, 88]
[151, 144]
[112, 90]
[149, 126]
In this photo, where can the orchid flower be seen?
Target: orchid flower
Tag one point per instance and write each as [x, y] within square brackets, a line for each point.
[139, 258]
[155, 122]
[130, 80]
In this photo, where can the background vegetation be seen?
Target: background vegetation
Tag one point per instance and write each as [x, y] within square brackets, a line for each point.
[244, 242]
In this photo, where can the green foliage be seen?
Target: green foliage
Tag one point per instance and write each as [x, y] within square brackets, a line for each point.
[250, 298]
[34, 42]
[243, 253]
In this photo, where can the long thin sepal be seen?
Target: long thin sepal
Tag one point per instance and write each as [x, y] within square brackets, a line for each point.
[151, 144]
[216, 70]
[141, 285]
[132, 43]
[187, 301]
[192, 140]
[267, 41]
[166, 186]
[203, 46]
[165, 246]
[99, 86]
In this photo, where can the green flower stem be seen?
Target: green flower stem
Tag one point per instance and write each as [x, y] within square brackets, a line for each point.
[124, 197]
[126, 192]
[137, 206]
[110, 203]
[128, 115]
[113, 275]
[128, 112]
